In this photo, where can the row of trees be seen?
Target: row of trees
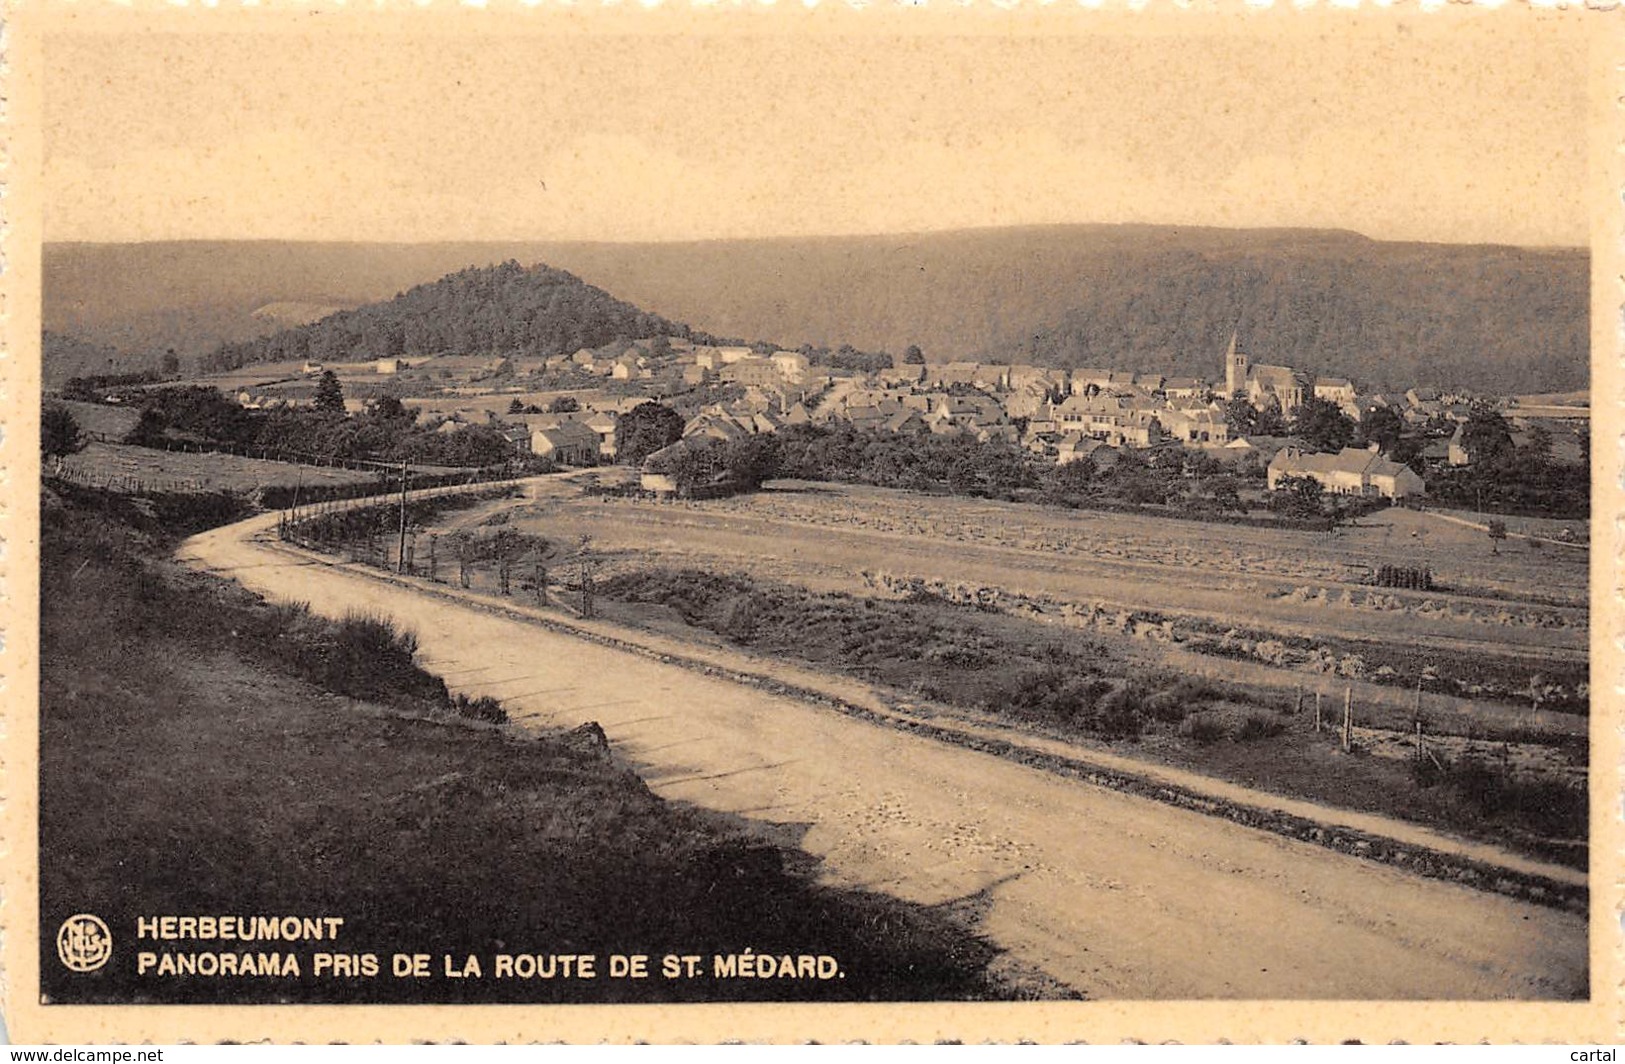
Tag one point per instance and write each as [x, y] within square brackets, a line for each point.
[388, 430]
[1503, 476]
[957, 465]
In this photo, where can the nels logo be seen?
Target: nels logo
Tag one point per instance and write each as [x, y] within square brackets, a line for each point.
[84, 943]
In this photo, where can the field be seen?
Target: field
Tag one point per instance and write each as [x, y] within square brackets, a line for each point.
[101, 419]
[985, 608]
[135, 469]
[841, 538]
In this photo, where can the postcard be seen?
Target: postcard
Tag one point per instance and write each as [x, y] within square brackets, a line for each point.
[810, 523]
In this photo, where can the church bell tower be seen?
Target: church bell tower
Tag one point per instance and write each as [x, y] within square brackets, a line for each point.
[1235, 369]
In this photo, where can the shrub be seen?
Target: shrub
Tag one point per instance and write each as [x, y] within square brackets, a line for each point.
[1121, 713]
[1549, 806]
[287, 620]
[738, 617]
[483, 708]
[1172, 704]
[1257, 726]
[367, 656]
[1202, 728]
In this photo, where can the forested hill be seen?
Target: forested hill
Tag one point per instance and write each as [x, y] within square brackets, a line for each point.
[1126, 296]
[501, 310]
[1493, 319]
[62, 357]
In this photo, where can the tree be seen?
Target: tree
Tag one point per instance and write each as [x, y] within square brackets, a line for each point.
[564, 404]
[1270, 421]
[171, 364]
[1070, 480]
[1497, 532]
[645, 429]
[1383, 427]
[1240, 414]
[1485, 435]
[388, 408]
[516, 407]
[752, 460]
[148, 430]
[1322, 425]
[1225, 497]
[1298, 496]
[329, 396]
[1538, 450]
[913, 356]
[59, 433]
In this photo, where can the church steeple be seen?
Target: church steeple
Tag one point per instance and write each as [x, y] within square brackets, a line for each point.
[1235, 367]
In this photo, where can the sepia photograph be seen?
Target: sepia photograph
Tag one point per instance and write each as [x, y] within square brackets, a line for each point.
[1050, 511]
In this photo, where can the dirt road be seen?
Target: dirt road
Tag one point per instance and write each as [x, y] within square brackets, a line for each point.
[1112, 895]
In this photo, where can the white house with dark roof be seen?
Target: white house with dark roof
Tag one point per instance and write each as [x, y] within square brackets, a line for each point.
[1351, 471]
[568, 443]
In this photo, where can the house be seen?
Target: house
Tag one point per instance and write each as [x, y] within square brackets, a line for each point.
[900, 376]
[390, 366]
[1076, 447]
[971, 373]
[1184, 388]
[907, 423]
[1456, 452]
[717, 357]
[1138, 429]
[1195, 426]
[715, 424]
[752, 371]
[568, 443]
[866, 417]
[1334, 389]
[1020, 377]
[696, 375]
[792, 365]
[1351, 471]
[1435, 452]
[605, 425]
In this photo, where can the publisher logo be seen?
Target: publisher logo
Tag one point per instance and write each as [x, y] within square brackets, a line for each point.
[84, 943]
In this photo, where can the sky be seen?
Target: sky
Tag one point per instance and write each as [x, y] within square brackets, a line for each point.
[1475, 134]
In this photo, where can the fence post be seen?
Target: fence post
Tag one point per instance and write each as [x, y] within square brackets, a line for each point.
[1298, 706]
[1348, 718]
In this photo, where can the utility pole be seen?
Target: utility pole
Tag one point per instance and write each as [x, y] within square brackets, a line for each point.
[400, 558]
[1348, 719]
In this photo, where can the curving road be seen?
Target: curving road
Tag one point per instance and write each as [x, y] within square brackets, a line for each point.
[1113, 895]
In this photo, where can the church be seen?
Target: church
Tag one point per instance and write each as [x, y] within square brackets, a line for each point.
[1261, 384]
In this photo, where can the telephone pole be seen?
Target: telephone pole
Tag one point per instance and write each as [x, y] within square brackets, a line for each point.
[400, 557]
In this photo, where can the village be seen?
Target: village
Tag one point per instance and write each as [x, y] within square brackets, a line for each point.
[568, 408]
